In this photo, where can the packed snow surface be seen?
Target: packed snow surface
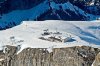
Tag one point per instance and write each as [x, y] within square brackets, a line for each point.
[27, 34]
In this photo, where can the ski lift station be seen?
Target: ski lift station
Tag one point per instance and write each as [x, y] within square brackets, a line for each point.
[55, 36]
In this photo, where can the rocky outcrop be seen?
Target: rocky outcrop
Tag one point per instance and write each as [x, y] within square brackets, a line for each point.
[72, 56]
[1, 58]
[97, 60]
[9, 55]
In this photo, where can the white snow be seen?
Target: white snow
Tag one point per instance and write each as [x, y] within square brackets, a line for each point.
[27, 34]
[92, 3]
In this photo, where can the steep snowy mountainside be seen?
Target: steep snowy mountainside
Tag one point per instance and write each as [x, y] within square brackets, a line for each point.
[11, 5]
[66, 11]
[90, 6]
[15, 17]
[27, 34]
[42, 10]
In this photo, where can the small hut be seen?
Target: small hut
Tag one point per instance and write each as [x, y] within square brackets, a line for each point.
[55, 36]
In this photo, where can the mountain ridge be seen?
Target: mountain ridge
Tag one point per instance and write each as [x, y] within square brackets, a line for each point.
[43, 10]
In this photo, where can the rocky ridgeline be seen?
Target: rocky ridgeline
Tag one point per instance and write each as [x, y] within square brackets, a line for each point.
[72, 56]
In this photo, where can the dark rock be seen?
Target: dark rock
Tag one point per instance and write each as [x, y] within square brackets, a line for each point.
[97, 60]
[71, 56]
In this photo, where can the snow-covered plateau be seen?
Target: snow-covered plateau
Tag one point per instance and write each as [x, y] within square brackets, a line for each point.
[27, 34]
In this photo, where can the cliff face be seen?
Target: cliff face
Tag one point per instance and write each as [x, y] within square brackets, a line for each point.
[1, 58]
[97, 60]
[73, 56]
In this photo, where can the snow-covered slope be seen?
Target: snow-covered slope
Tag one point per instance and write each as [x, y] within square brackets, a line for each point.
[27, 34]
[18, 16]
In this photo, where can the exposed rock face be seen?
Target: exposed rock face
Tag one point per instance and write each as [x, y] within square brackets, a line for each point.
[1, 58]
[73, 56]
[10, 54]
[97, 60]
